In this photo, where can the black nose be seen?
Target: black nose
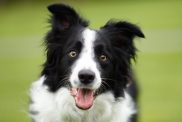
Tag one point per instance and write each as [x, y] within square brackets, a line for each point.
[86, 76]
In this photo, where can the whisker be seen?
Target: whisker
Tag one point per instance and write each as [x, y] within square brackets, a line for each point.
[104, 82]
[109, 79]
[102, 87]
[65, 78]
[127, 77]
[64, 82]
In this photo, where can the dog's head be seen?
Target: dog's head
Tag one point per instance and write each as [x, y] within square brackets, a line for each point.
[86, 61]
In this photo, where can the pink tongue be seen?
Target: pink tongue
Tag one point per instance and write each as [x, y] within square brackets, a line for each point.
[84, 98]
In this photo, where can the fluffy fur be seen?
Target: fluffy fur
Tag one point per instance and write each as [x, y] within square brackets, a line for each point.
[82, 58]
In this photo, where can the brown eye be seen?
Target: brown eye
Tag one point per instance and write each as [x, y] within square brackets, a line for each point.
[72, 54]
[103, 58]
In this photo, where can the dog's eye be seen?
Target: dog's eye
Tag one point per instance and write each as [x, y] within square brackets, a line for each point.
[103, 58]
[72, 54]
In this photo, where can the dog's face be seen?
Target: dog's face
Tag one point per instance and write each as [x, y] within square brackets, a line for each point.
[88, 62]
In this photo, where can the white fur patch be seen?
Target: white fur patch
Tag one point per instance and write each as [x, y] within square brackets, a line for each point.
[86, 60]
[60, 106]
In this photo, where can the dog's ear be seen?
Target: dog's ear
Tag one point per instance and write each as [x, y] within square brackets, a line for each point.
[121, 35]
[125, 28]
[64, 16]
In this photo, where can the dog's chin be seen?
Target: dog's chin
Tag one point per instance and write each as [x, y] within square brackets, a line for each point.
[84, 97]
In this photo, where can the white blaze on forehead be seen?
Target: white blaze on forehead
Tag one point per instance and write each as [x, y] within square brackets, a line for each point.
[87, 53]
[86, 58]
[89, 37]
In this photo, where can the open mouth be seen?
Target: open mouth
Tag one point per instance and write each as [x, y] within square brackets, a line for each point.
[84, 98]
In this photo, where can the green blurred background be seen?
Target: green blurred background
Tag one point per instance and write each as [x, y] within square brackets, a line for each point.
[23, 25]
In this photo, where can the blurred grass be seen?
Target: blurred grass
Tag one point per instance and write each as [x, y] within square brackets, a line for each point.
[159, 65]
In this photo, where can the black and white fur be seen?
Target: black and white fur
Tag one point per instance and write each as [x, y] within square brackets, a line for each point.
[106, 53]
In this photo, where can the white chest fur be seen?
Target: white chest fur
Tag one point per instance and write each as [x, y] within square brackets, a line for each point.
[60, 106]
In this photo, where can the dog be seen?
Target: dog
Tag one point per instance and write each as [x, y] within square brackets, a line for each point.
[87, 75]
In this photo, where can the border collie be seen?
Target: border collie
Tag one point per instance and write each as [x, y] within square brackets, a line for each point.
[87, 74]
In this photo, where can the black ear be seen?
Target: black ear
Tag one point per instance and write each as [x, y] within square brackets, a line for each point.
[121, 35]
[64, 16]
[125, 28]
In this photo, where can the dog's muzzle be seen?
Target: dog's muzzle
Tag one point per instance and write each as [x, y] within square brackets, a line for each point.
[84, 95]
